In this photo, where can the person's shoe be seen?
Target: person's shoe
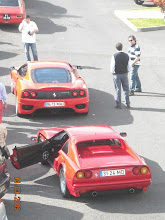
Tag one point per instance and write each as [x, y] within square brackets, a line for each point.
[131, 93]
[137, 90]
[116, 106]
[128, 106]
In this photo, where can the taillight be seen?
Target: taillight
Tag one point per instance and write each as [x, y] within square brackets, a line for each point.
[84, 174]
[136, 170]
[88, 174]
[80, 175]
[140, 170]
[74, 93]
[33, 94]
[19, 16]
[26, 94]
[144, 170]
[81, 92]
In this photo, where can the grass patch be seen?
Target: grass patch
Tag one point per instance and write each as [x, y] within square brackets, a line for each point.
[147, 22]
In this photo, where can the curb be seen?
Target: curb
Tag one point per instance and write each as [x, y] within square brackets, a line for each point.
[125, 20]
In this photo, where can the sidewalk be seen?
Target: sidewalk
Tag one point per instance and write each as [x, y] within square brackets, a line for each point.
[124, 15]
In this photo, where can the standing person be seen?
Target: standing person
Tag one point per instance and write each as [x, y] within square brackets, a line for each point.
[3, 100]
[28, 29]
[3, 136]
[120, 66]
[134, 54]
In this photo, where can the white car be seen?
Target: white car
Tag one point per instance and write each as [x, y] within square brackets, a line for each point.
[140, 2]
[3, 215]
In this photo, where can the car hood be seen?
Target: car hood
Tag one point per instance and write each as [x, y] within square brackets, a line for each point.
[10, 10]
[109, 161]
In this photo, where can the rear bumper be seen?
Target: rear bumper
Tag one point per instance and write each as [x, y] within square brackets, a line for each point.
[78, 189]
[40, 104]
[11, 21]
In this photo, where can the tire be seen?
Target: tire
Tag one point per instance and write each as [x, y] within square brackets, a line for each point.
[138, 2]
[45, 156]
[11, 88]
[16, 109]
[63, 187]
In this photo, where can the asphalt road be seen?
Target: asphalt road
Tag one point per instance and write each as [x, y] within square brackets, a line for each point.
[85, 33]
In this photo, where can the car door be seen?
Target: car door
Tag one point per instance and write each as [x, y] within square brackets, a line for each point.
[16, 75]
[28, 155]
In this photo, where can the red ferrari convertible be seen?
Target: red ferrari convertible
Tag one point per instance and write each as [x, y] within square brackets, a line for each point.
[88, 158]
[12, 11]
[51, 85]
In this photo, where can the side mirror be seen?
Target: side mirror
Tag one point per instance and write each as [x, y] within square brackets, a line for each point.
[123, 134]
[79, 67]
[33, 139]
[12, 68]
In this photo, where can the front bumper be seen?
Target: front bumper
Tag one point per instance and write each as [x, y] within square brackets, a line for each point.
[35, 104]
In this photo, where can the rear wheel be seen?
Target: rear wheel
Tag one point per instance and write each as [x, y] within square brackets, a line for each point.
[11, 88]
[63, 187]
[138, 2]
[16, 108]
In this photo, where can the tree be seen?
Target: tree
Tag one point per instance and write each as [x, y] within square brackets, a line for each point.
[160, 4]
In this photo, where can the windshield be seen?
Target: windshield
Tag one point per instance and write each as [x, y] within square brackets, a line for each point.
[51, 75]
[12, 3]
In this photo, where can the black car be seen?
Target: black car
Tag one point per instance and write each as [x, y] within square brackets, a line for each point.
[4, 175]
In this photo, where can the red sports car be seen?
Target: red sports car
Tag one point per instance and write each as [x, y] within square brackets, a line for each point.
[88, 158]
[53, 85]
[12, 11]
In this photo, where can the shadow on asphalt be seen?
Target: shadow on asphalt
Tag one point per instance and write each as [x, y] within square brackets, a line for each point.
[7, 55]
[40, 211]
[101, 111]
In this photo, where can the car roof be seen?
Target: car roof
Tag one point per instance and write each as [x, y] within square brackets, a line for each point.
[51, 64]
[91, 132]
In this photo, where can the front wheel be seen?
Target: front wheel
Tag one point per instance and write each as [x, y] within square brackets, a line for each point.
[63, 187]
[138, 2]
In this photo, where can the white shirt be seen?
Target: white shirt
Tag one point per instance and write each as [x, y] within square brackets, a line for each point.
[3, 95]
[26, 38]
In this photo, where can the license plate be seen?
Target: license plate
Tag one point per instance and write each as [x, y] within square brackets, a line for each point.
[2, 188]
[6, 17]
[54, 104]
[112, 173]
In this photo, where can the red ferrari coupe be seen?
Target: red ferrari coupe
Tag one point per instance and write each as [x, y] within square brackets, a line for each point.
[12, 11]
[51, 85]
[88, 158]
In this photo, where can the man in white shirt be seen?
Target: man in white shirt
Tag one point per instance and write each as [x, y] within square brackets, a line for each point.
[28, 29]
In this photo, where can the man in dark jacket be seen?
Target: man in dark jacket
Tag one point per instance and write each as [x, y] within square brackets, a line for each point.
[120, 66]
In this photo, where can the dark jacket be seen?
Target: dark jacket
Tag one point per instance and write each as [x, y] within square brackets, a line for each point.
[121, 62]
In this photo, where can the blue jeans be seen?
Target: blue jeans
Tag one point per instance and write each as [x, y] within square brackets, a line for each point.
[121, 79]
[135, 83]
[27, 46]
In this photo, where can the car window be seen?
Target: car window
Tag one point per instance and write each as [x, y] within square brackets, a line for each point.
[12, 3]
[22, 70]
[51, 75]
[66, 147]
